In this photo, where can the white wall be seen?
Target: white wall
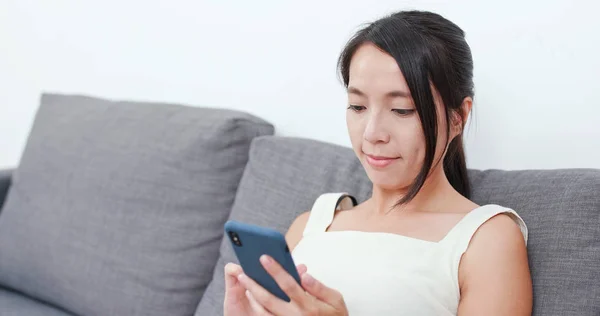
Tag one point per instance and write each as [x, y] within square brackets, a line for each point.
[536, 66]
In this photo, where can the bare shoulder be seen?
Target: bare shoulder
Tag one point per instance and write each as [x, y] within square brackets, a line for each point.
[294, 233]
[494, 271]
[500, 236]
[502, 230]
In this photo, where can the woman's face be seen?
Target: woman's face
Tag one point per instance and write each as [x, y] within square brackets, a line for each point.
[384, 127]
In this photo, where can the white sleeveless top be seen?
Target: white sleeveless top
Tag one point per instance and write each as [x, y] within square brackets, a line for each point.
[382, 273]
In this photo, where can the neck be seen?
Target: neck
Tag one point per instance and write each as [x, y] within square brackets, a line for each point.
[383, 200]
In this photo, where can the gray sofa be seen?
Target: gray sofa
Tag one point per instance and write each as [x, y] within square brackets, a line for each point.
[116, 208]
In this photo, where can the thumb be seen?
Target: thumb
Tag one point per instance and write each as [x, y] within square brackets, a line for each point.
[232, 286]
[231, 272]
[322, 292]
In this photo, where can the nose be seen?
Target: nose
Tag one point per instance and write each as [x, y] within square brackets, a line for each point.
[375, 131]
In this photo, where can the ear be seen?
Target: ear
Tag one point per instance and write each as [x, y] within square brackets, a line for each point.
[466, 107]
[460, 118]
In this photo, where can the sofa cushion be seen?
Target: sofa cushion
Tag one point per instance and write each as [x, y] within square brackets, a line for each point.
[562, 211]
[117, 207]
[15, 304]
[561, 207]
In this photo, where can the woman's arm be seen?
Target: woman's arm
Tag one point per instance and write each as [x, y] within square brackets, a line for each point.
[494, 272]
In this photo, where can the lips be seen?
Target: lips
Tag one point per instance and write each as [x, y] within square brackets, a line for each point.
[380, 161]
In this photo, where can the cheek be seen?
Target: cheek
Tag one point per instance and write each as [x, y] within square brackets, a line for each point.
[411, 141]
[418, 149]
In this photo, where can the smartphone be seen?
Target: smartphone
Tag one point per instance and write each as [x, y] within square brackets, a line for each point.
[250, 242]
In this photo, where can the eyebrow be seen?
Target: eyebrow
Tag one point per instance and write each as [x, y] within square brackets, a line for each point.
[391, 94]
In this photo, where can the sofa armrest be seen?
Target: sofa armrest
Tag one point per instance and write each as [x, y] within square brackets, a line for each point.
[5, 179]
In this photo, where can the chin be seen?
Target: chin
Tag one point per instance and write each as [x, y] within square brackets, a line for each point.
[388, 183]
[390, 186]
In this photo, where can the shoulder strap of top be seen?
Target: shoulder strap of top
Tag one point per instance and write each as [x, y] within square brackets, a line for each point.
[461, 234]
[323, 210]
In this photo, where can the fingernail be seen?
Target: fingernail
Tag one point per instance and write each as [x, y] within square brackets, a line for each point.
[302, 269]
[308, 279]
[266, 260]
[241, 277]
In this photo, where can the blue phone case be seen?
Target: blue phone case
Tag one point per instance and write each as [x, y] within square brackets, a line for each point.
[254, 241]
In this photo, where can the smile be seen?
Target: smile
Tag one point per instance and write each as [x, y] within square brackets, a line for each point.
[380, 162]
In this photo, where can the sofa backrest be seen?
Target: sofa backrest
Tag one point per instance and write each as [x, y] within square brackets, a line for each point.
[561, 208]
[117, 207]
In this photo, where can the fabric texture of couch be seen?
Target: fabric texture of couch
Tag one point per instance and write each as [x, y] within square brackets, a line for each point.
[15, 304]
[116, 208]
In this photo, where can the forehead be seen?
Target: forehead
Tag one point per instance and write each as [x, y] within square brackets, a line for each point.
[373, 69]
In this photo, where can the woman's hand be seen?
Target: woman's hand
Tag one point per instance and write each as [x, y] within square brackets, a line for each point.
[314, 299]
[237, 301]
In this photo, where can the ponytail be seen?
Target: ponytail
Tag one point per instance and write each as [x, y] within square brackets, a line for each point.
[455, 167]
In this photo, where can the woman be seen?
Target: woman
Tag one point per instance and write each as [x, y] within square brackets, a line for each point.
[418, 245]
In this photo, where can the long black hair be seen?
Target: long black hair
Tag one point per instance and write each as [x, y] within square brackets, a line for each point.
[428, 48]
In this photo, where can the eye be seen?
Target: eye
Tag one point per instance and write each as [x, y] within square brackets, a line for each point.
[404, 112]
[356, 108]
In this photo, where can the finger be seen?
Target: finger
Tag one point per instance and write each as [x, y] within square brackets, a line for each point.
[301, 269]
[234, 291]
[285, 281]
[232, 271]
[322, 292]
[263, 297]
[256, 307]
